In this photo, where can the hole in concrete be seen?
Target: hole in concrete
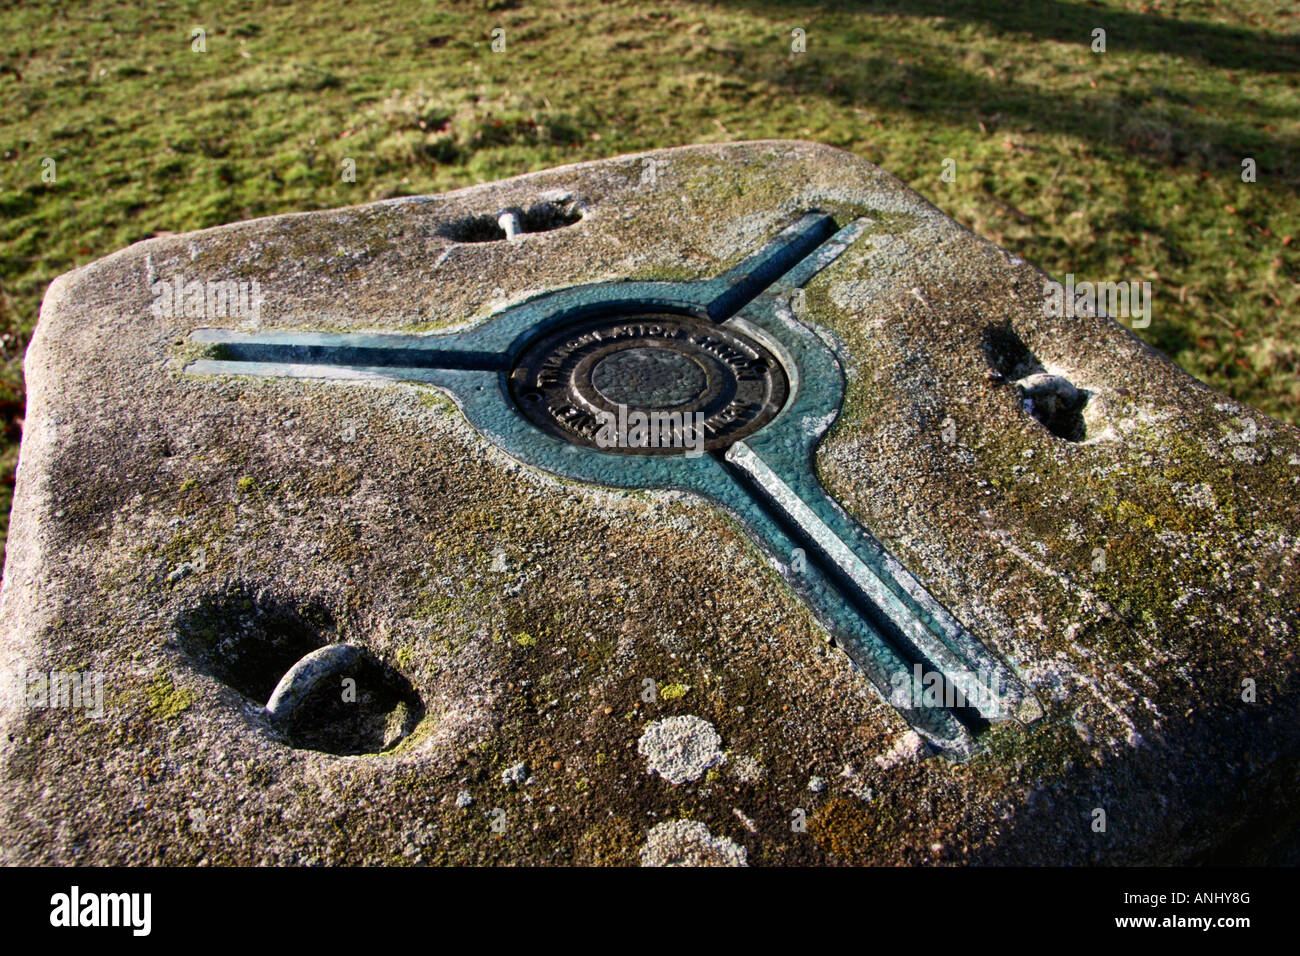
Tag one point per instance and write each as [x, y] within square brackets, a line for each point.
[540, 217]
[1054, 401]
[250, 638]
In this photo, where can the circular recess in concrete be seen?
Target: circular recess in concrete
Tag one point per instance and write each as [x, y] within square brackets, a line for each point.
[319, 695]
[648, 384]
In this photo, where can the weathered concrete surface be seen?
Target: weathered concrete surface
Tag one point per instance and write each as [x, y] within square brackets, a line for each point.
[526, 613]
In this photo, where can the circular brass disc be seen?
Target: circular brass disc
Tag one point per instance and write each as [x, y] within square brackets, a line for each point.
[651, 384]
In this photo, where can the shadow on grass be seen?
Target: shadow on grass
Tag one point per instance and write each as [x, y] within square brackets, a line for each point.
[1215, 44]
[1157, 123]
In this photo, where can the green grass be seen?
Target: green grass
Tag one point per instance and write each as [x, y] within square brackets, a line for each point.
[1122, 165]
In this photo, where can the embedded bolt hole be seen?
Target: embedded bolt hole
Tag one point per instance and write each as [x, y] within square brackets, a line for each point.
[1056, 403]
[532, 395]
[510, 223]
[276, 651]
[1052, 400]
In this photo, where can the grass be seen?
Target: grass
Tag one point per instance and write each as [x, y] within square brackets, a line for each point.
[1117, 165]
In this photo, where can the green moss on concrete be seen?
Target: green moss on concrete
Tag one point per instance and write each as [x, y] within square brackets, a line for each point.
[166, 701]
